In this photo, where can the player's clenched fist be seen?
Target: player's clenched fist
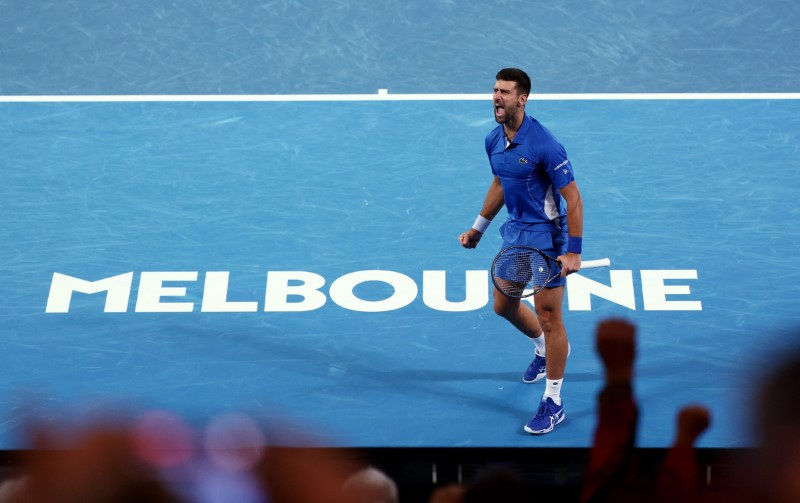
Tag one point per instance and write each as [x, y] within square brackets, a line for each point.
[470, 238]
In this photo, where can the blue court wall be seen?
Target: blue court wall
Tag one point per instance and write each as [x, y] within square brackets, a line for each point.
[286, 46]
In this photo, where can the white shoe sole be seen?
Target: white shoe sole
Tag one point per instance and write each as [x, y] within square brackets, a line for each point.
[539, 377]
[547, 430]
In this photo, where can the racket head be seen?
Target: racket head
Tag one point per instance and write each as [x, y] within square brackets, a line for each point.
[522, 271]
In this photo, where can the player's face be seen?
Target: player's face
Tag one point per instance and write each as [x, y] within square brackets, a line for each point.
[508, 103]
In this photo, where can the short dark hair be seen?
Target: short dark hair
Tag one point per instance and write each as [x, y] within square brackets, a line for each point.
[516, 75]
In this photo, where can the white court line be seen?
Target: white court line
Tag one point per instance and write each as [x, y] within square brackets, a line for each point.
[384, 95]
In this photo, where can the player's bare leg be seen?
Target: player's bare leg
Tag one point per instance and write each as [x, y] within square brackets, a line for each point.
[525, 320]
[550, 411]
[518, 314]
[548, 308]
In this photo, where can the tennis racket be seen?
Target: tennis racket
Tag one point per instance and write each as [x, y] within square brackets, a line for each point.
[522, 271]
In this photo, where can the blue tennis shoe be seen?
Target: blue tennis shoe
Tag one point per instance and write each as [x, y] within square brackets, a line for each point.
[536, 370]
[547, 417]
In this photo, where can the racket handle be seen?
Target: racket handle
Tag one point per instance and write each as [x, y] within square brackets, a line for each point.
[600, 262]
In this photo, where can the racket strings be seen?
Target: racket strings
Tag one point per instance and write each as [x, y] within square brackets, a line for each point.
[521, 270]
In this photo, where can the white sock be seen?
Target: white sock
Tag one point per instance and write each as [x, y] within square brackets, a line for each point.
[553, 390]
[539, 343]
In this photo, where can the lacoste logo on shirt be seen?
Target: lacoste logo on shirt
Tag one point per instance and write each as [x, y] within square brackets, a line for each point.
[522, 160]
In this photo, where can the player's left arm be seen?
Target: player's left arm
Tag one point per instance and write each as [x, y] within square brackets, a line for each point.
[570, 261]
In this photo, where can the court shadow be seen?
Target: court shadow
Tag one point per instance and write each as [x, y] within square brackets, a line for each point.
[583, 376]
[428, 375]
[360, 367]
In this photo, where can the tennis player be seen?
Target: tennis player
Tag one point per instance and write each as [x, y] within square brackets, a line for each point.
[533, 177]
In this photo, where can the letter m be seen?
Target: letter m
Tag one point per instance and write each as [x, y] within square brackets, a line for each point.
[117, 288]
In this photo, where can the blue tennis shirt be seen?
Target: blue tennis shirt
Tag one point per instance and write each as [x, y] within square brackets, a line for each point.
[531, 169]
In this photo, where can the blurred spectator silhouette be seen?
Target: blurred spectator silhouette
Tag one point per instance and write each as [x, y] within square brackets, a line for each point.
[451, 493]
[492, 484]
[612, 473]
[370, 485]
[117, 462]
[96, 466]
[497, 484]
[776, 411]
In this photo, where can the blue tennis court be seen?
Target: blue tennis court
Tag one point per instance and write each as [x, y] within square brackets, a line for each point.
[298, 260]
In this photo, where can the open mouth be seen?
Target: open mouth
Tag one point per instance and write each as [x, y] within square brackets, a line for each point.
[499, 110]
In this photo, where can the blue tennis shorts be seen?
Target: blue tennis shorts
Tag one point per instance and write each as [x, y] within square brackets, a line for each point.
[549, 238]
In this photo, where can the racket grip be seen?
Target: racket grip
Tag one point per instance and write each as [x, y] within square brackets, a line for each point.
[600, 262]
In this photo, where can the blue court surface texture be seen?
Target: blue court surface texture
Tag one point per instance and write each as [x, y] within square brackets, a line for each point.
[351, 210]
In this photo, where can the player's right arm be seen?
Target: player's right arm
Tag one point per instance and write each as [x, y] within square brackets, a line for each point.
[491, 206]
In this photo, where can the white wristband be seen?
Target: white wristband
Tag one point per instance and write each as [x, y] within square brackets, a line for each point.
[481, 224]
